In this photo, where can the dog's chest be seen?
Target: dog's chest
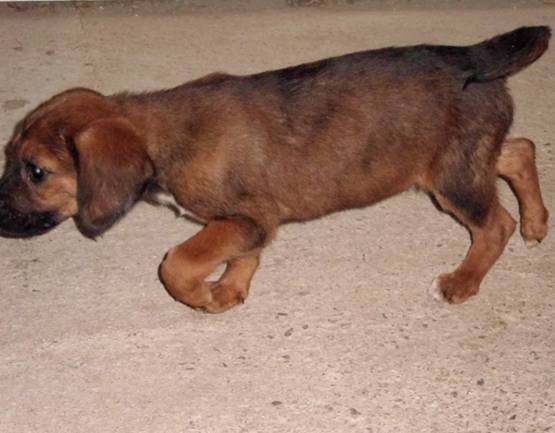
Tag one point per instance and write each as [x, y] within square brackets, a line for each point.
[164, 198]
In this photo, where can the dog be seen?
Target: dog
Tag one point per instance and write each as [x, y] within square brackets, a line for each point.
[245, 154]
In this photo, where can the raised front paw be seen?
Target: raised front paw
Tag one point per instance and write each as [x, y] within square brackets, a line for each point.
[224, 296]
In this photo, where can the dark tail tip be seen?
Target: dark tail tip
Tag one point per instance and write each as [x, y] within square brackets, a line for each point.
[508, 53]
[542, 33]
[535, 39]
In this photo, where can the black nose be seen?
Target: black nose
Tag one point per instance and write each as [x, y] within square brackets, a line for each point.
[16, 224]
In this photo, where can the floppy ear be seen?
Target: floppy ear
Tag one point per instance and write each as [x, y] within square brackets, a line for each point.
[113, 169]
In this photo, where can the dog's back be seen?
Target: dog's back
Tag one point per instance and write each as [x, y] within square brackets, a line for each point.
[428, 108]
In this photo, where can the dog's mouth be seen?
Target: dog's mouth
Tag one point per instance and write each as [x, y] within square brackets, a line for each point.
[15, 224]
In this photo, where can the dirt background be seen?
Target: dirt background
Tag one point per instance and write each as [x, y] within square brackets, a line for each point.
[339, 334]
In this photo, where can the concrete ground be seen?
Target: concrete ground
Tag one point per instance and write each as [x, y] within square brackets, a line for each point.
[339, 334]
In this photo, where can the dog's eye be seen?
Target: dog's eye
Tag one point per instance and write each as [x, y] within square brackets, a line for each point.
[35, 173]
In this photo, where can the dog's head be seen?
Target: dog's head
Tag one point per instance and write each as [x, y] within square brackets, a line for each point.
[76, 156]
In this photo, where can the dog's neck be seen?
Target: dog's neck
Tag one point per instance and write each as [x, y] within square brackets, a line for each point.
[150, 113]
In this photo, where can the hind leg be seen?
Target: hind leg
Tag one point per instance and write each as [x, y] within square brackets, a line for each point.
[489, 238]
[516, 164]
[464, 186]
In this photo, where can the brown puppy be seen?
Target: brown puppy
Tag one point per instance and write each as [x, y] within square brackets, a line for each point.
[245, 154]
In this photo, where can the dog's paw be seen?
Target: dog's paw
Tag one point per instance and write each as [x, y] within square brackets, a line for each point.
[435, 291]
[452, 289]
[531, 243]
[534, 230]
[223, 298]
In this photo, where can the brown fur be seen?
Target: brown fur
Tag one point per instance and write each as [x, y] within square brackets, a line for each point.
[248, 153]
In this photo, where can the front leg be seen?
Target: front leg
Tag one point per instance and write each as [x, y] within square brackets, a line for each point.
[183, 271]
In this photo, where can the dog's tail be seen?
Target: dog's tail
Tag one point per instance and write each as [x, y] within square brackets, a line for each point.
[508, 53]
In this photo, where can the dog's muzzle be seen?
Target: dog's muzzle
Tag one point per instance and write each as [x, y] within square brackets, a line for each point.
[16, 224]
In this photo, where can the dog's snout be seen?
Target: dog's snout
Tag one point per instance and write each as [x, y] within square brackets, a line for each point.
[14, 223]
[18, 217]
